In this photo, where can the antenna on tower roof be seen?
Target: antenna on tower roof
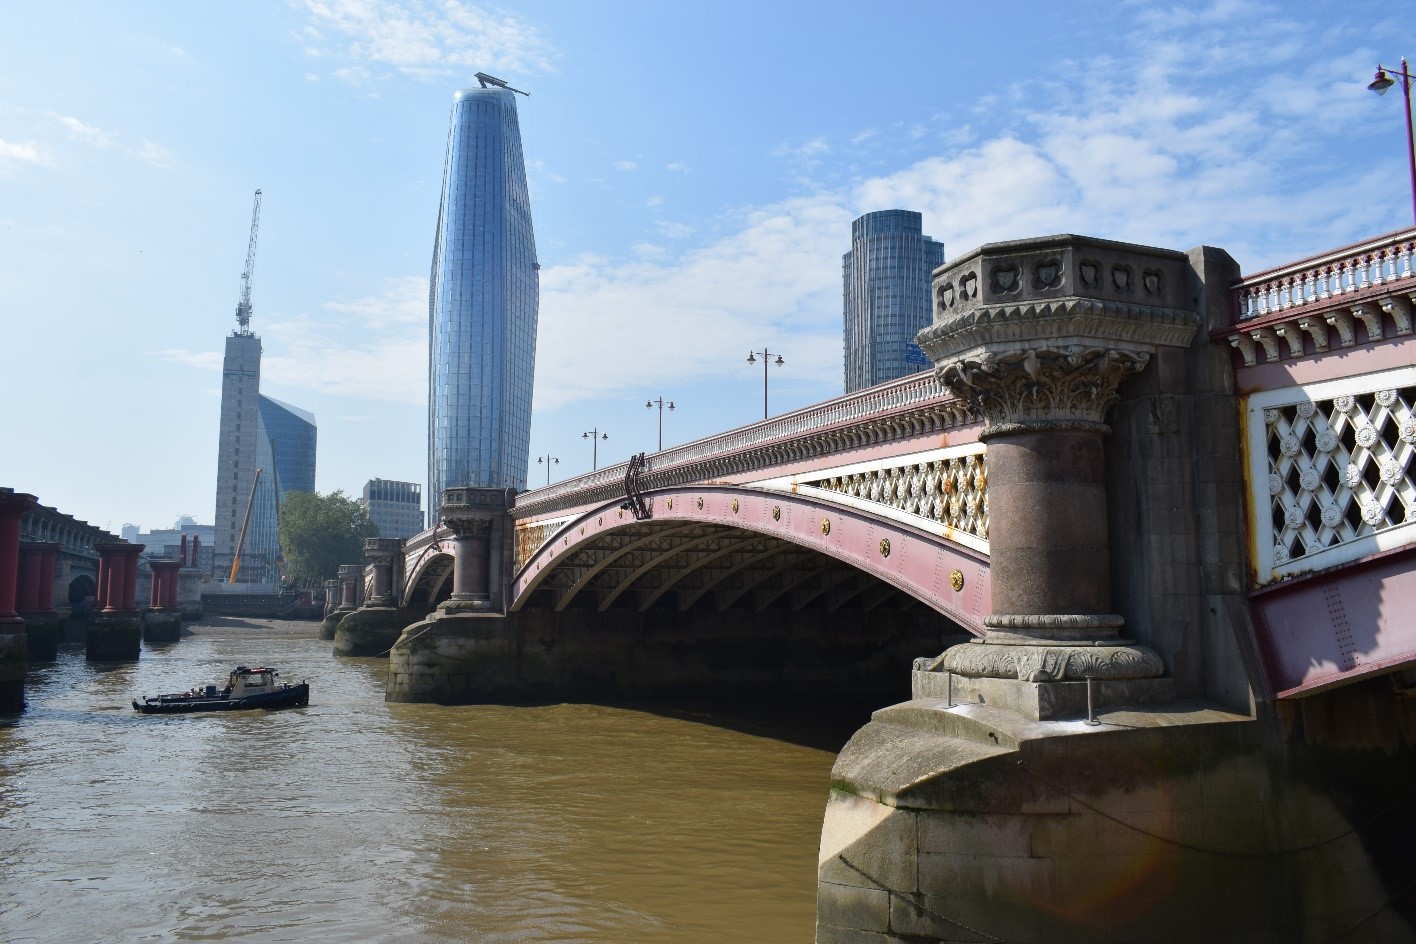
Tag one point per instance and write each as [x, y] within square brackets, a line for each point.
[493, 81]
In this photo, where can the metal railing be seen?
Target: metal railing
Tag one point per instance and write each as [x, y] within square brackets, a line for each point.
[892, 397]
[1322, 278]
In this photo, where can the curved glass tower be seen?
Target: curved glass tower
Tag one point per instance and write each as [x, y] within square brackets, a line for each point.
[483, 299]
[886, 276]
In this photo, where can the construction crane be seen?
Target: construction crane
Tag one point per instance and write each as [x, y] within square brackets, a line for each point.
[241, 540]
[491, 81]
[243, 307]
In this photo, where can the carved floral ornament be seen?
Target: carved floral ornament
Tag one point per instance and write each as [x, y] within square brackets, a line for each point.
[1073, 388]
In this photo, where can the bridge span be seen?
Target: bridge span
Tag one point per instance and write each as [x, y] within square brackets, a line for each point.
[1141, 546]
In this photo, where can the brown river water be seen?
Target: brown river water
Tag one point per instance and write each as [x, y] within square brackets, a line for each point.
[357, 820]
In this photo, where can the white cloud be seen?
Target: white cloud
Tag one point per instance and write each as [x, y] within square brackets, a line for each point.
[625, 165]
[202, 360]
[695, 314]
[19, 151]
[404, 301]
[103, 139]
[673, 229]
[678, 167]
[654, 201]
[86, 134]
[427, 40]
[369, 348]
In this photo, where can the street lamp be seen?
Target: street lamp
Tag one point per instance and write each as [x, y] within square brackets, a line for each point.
[1380, 84]
[660, 402]
[549, 461]
[752, 359]
[594, 436]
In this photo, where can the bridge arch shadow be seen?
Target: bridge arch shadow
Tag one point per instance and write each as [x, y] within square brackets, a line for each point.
[724, 548]
[429, 581]
[729, 588]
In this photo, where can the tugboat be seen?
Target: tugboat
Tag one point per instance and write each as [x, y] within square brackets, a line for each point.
[248, 688]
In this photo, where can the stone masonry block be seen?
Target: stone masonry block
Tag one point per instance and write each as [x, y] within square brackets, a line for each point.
[831, 934]
[949, 918]
[862, 836]
[1061, 835]
[1008, 878]
[994, 834]
[850, 906]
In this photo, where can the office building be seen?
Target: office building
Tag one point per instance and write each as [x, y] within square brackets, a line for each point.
[886, 279]
[292, 434]
[396, 507]
[261, 434]
[483, 302]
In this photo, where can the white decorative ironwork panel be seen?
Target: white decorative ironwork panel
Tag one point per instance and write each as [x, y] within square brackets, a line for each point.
[943, 491]
[1331, 469]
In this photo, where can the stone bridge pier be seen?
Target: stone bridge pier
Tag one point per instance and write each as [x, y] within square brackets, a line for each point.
[372, 628]
[163, 620]
[466, 648]
[351, 583]
[1098, 766]
[14, 660]
[43, 624]
[116, 630]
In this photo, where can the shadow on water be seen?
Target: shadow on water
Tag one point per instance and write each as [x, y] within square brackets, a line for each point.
[822, 722]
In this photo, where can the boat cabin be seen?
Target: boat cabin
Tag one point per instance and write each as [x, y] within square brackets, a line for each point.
[255, 681]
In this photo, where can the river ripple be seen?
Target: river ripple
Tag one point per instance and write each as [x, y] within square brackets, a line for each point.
[356, 820]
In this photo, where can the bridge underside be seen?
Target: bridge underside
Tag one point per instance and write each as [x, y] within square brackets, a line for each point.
[679, 567]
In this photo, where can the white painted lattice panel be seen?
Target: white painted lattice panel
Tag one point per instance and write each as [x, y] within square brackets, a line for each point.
[942, 491]
[1331, 471]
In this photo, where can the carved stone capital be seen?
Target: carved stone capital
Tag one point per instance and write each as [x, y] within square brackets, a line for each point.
[1062, 389]
[382, 550]
[468, 512]
[469, 527]
[1040, 332]
[1049, 663]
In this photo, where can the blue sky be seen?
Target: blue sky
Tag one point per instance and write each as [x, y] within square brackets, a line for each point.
[694, 172]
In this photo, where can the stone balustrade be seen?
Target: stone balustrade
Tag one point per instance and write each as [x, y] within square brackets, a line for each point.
[1337, 300]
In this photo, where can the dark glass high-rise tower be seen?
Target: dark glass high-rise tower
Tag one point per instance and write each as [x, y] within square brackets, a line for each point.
[483, 300]
[886, 276]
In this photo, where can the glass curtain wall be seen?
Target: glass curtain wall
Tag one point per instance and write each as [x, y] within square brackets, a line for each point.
[886, 278]
[483, 300]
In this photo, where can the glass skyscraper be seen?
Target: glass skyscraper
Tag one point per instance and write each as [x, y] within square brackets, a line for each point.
[886, 279]
[292, 434]
[484, 295]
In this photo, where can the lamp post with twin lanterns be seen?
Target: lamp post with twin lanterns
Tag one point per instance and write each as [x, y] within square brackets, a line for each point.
[752, 359]
[660, 403]
[549, 460]
[594, 436]
[1380, 84]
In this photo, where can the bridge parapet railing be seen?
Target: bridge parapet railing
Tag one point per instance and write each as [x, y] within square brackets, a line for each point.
[1354, 295]
[1331, 441]
[917, 400]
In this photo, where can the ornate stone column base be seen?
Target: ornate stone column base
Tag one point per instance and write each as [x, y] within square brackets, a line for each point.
[454, 657]
[14, 664]
[1051, 661]
[368, 631]
[162, 626]
[114, 637]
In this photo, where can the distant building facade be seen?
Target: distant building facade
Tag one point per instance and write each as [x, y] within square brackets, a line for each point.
[256, 433]
[396, 507]
[886, 297]
[483, 302]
